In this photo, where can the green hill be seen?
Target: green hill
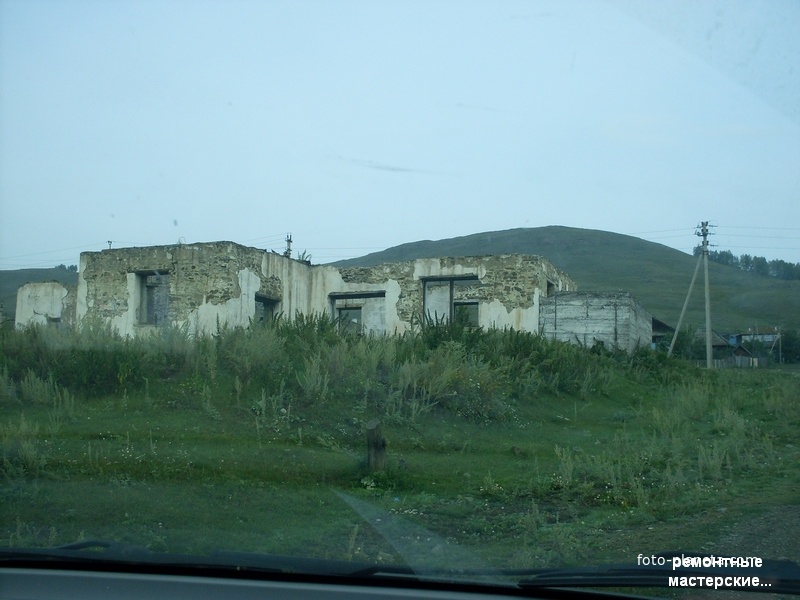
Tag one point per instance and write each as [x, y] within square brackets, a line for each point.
[656, 275]
[10, 282]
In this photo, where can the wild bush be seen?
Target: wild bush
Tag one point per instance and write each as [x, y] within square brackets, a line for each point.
[8, 390]
[254, 355]
[474, 374]
[19, 450]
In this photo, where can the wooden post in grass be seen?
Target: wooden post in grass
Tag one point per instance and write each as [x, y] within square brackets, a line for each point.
[376, 446]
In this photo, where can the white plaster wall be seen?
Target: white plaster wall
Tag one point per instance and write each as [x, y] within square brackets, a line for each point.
[234, 312]
[326, 280]
[437, 300]
[432, 267]
[296, 278]
[373, 316]
[394, 324]
[494, 315]
[38, 301]
[81, 302]
[127, 323]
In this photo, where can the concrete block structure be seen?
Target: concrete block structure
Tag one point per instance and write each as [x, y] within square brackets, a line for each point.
[611, 319]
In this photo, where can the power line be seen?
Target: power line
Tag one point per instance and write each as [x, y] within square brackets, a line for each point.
[683, 229]
[765, 228]
[765, 247]
[272, 238]
[767, 237]
[665, 237]
[341, 248]
[51, 251]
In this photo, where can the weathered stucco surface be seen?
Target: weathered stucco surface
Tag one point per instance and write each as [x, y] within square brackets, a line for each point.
[614, 319]
[45, 303]
[208, 284]
[507, 288]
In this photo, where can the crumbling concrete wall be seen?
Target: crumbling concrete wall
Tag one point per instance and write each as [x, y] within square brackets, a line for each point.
[202, 286]
[403, 296]
[613, 319]
[45, 303]
[506, 288]
[209, 284]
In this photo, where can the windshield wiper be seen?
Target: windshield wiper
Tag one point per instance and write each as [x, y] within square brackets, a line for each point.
[773, 576]
[119, 554]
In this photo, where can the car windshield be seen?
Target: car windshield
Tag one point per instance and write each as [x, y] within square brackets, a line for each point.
[465, 290]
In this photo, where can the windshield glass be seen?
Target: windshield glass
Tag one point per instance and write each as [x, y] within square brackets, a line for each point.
[225, 326]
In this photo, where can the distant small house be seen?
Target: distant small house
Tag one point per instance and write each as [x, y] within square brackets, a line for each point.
[767, 340]
[728, 351]
[661, 331]
[757, 347]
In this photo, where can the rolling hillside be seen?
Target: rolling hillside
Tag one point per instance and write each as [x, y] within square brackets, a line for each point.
[657, 276]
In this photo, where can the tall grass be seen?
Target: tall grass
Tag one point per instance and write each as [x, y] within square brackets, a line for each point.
[472, 373]
[93, 359]
[698, 434]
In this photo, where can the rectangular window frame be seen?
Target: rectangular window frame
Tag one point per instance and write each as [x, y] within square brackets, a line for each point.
[342, 302]
[265, 309]
[154, 291]
[350, 320]
[453, 280]
[472, 320]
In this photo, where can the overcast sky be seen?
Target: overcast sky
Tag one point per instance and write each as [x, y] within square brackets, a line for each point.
[359, 125]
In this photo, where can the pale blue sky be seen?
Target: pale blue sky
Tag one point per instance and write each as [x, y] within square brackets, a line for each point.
[361, 125]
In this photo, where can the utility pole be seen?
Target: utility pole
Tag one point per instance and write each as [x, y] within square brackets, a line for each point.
[685, 304]
[704, 234]
[288, 252]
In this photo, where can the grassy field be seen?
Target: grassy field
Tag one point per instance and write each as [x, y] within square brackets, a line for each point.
[523, 451]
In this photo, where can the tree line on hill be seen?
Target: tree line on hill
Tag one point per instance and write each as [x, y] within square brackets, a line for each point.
[780, 269]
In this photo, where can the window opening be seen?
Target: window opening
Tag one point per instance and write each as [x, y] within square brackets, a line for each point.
[349, 319]
[359, 312]
[466, 313]
[54, 321]
[155, 299]
[441, 296]
[265, 309]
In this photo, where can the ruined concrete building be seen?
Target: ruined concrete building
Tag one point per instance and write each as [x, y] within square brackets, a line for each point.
[613, 319]
[137, 290]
